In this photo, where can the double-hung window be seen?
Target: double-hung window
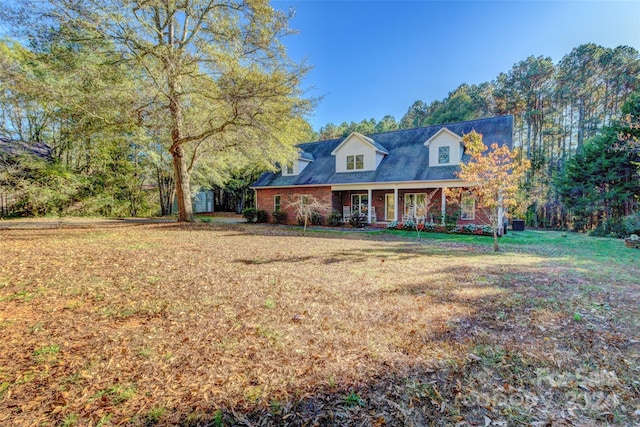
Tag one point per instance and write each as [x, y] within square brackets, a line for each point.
[355, 162]
[276, 203]
[443, 155]
[359, 203]
[415, 204]
[468, 208]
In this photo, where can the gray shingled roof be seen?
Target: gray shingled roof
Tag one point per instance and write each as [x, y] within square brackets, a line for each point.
[370, 140]
[305, 155]
[408, 158]
[15, 148]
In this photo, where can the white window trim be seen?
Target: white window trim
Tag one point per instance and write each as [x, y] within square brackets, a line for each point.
[408, 207]
[448, 155]
[354, 158]
[360, 208]
[285, 169]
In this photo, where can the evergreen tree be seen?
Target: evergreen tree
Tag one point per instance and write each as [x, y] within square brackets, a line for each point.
[600, 185]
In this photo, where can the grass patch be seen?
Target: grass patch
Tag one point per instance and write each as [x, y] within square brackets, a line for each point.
[353, 399]
[249, 324]
[47, 353]
[116, 394]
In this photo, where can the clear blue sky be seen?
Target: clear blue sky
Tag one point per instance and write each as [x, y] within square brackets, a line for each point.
[373, 58]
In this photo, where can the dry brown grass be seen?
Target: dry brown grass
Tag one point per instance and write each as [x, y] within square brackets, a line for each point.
[249, 325]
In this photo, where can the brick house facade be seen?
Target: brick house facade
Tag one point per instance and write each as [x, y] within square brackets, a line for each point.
[391, 176]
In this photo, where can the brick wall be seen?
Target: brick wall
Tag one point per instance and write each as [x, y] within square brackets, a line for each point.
[265, 199]
[338, 199]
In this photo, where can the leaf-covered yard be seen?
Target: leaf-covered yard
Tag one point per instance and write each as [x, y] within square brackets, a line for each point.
[258, 325]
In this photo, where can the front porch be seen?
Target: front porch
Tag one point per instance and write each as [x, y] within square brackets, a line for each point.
[382, 206]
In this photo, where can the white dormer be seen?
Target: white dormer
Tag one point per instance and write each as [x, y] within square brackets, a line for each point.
[295, 168]
[445, 148]
[358, 153]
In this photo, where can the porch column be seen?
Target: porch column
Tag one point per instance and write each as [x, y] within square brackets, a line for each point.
[369, 205]
[444, 204]
[396, 207]
[500, 215]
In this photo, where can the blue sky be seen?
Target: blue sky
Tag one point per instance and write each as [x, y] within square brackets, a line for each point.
[373, 58]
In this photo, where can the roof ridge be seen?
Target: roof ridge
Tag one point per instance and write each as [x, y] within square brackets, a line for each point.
[443, 124]
[410, 129]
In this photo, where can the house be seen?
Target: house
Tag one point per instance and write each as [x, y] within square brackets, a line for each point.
[11, 150]
[390, 176]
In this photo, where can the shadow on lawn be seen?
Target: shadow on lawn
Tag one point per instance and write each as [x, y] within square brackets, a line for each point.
[415, 396]
[511, 361]
[411, 250]
[297, 231]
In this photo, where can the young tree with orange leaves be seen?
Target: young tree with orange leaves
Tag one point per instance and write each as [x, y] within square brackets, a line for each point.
[493, 175]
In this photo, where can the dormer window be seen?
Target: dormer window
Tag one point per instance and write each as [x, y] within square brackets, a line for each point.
[355, 162]
[358, 153]
[296, 167]
[445, 148]
[443, 155]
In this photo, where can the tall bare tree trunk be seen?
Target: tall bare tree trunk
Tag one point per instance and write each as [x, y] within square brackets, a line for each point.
[182, 175]
[183, 192]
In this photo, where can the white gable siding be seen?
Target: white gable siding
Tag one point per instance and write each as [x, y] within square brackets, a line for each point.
[353, 147]
[445, 139]
[298, 166]
[302, 164]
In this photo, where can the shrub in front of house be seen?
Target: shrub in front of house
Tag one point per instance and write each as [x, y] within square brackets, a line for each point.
[335, 219]
[314, 219]
[262, 216]
[279, 217]
[249, 214]
[358, 220]
[482, 230]
[450, 220]
[429, 227]
[317, 219]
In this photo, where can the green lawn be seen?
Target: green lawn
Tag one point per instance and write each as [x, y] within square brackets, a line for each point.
[606, 258]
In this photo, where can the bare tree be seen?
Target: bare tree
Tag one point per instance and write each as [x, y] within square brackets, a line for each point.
[424, 205]
[306, 207]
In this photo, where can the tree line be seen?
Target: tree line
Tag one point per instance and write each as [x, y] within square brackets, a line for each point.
[562, 112]
[134, 93]
[143, 103]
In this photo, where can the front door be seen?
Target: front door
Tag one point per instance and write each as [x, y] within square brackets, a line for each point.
[389, 207]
